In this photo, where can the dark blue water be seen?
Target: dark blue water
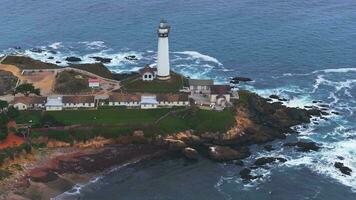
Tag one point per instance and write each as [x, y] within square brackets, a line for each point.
[302, 50]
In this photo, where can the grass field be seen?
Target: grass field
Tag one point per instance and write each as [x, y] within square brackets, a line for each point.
[112, 122]
[135, 84]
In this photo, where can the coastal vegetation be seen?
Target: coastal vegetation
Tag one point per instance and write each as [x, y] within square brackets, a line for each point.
[7, 82]
[134, 83]
[24, 62]
[71, 82]
[114, 122]
[27, 89]
[95, 68]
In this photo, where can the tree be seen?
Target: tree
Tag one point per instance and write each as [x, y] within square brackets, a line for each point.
[27, 89]
[3, 104]
[12, 112]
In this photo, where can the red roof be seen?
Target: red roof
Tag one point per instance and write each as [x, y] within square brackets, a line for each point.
[93, 80]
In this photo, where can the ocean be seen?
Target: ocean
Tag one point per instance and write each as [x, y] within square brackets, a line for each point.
[302, 50]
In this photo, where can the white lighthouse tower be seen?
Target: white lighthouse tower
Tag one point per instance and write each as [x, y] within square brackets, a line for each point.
[163, 68]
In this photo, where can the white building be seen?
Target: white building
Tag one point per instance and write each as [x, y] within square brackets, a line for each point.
[200, 86]
[78, 101]
[148, 73]
[124, 99]
[54, 103]
[94, 83]
[148, 102]
[220, 95]
[163, 68]
[29, 102]
[172, 99]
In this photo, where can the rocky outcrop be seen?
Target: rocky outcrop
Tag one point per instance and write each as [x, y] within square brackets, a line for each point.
[131, 57]
[101, 59]
[239, 79]
[245, 174]
[273, 96]
[266, 160]
[343, 169]
[73, 59]
[303, 146]
[224, 153]
[190, 153]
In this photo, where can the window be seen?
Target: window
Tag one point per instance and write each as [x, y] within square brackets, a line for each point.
[145, 75]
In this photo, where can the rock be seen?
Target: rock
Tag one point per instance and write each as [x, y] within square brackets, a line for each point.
[239, 163]
[273, 96]
[42, 175]
[36, 50]
[266, 160]
[190, 153]
[17, 47]
[268, 147]
[340, 158]
[73, 59]
[343, 169]
[175, 144]
[51, 57]
[223, 153]
[245, 174]
[304, 146]
[58, 62]
[131, 57]
[239, 79]
[52, 52]
[324, 105]
[335, 113]
[101, 59]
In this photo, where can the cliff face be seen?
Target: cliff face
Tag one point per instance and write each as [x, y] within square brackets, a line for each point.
[259, 121]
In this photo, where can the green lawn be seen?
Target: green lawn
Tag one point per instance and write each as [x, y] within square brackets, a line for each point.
[112, 122]
[135, 84]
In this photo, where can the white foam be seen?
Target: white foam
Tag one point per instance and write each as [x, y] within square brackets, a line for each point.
[336, 70]
[94, 45]
[199, 56]
[55, 45]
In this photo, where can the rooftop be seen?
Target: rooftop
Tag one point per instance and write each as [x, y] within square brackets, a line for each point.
[78, 99]
[204, 82]
[220, 89]
[30, 100]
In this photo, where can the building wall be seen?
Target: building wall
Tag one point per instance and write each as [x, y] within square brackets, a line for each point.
[147, 76]
[20, 106]
[213, 98]
[163, 68]
[148, 106]
[94, 85]
[79, 105]
[53, 108]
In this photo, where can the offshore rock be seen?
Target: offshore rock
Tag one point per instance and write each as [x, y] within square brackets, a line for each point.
[101, 59]
[303, 146]
[266, 160]
[73, 59]
[190, 153]
[343, 169]
[224, 153]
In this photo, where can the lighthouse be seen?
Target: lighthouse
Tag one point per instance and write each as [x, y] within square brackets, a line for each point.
[163, 68]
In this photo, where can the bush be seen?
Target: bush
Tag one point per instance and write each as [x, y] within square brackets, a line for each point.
[4, 174]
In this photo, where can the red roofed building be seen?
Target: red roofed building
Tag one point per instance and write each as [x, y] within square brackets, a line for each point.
[94, 83]
[148, 73]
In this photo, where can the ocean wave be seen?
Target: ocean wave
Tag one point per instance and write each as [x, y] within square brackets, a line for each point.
[94, 45]
[336, 70]
[199, 56]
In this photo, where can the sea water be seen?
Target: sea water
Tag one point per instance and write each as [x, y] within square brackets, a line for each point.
[301, 50]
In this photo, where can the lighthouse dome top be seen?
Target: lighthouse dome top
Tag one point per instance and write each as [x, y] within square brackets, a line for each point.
[164, 24]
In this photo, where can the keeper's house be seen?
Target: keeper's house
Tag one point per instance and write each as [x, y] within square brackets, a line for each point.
[148, 73]
[78, 101]
[54, 103]
[200, 87]
[29, 102]
[124, 99]
[145, 101]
